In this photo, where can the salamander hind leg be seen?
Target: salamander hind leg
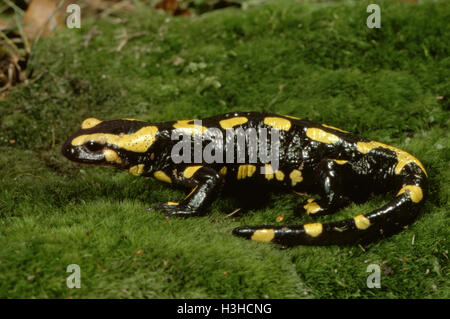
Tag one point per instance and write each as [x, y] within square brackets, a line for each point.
[330, 176]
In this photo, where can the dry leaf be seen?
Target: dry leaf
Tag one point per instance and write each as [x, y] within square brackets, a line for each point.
[37, 15]
[172, 6]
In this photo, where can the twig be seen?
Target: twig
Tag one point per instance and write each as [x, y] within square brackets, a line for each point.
[22, 35]
[88, 37]
[233, 212]
[123, 42]
[15, 8]
[125, 38]
[11, 43]
[302, 194]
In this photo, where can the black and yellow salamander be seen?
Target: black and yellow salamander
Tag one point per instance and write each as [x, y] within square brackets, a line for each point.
[310, 158]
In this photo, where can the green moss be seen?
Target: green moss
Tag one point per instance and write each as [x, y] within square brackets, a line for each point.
[316, 61]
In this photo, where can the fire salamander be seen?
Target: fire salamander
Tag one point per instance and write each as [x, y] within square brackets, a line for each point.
[312, 158]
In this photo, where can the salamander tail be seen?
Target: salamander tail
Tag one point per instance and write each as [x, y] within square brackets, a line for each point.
[382, 222]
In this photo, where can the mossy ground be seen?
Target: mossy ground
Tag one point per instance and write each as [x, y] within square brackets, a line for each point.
[315, 61]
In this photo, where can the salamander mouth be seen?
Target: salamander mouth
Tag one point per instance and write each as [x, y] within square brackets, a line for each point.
[82, 155]
[103, 156]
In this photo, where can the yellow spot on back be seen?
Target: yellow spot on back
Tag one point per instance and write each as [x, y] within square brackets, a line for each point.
[263, 235]
[187, 128]
[89, 123]
[361, 222]
[190, 171]
[322, 136]
[232, 122]
[403, 157]
[314, 229]
[138, 141]
[268, 171]
[312, 207]
[296, 177]
[415, 192]
[223, 171]
[246, 171]
[335, 128]
[278, 123]
[161, 176]
[137, 169]
[112, 156]
[279, 175]
[172, 203]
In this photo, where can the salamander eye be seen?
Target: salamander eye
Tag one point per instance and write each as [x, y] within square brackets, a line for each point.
[93, 146]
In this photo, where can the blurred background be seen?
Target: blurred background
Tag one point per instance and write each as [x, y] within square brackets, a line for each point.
[24, 22]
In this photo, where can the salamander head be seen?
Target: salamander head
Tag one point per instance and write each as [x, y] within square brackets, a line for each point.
[118, 143]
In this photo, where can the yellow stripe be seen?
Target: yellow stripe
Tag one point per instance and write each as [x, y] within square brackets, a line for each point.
[415, 192]
[190, 171]
[161, 176]
[314, 229]
[246, 171]
[230, 123]
[361, 222]
[263, 235]
[340, 162]
[139, 141]
[137, 169]
[223, 171]
[322, 136]
[335, 128]
[292, 117]
[278, 123]
[189, 128]
[403, 158]
[192, 191]
[89, 123]
[129, 119]
[172, 203]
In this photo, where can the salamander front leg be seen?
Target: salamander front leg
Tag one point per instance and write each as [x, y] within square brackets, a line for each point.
[330, 174]
[206, 181]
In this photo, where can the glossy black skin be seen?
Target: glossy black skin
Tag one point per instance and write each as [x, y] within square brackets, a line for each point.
[336, 184]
